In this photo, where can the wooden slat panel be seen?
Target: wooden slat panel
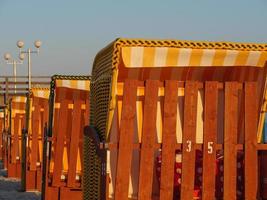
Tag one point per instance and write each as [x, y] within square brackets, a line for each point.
[148, 140]
[15, 145]
[251, 167]
[35, 130]
[230, 139]
[46, 112]
[59, 146]
[86, 117]
[189, 140]
[87, 112]
[74, 142]
[168, 140]
[1, 138]
[45, 106]
[22, 126]
[210, 139]
[126, 140]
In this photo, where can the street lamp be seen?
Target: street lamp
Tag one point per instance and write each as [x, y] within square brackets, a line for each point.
[11, 61]
[37, 45]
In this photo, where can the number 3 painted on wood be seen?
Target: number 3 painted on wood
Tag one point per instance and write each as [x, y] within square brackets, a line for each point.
[189, 145]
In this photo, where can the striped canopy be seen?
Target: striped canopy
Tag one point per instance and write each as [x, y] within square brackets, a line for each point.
[74, 84]
[135, 57]
[41, 92]
[18, 105]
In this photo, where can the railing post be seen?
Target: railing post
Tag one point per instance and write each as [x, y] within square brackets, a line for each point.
[6, 90]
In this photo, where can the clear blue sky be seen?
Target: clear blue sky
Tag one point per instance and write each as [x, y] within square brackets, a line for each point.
[73, 31]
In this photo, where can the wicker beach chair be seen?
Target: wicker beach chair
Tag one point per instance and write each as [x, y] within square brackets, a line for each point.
[156, 97]
[69, 113]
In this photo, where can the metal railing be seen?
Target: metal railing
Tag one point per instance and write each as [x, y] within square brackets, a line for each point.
[10, 87]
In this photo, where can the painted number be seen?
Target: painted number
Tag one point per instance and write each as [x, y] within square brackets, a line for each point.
[210, 147]
[189, 145]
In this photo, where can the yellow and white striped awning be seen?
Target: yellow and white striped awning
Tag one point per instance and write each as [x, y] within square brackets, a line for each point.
[74, 84]
[19, 99]
[41, 92]
[134, 57]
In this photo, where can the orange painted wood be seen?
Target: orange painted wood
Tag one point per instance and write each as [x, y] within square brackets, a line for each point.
[67, 194]
[148, 140]
[168, 140]
[15, 145]
[210, 139]
[59, 144]
[11, 170]
[1, 138]
[74, 142]
[230, 139]
[189, 140]
[45, 122]
[46, 113]
[30, 180]
[18, 170]
[86, 117]
[35, 134]
[87, 112]
[39, 180]
[52, 193]
[251, 160]
[126, 139]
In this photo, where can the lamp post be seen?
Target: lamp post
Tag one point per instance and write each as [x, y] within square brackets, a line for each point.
[11, 61]
[29, 51]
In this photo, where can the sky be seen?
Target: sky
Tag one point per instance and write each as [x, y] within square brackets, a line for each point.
[73, 31]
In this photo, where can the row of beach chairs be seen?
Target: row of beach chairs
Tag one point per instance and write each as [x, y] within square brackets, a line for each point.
[50, 119]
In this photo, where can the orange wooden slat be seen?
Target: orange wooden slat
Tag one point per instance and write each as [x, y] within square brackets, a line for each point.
[15, 144]
[230, 139]
[189, 140]
[126, 140]
[168, 140]
[59, 144]
[46, 113]
[1, 138]
[210, 139]
[74, 142]
[35, 130]
[85, 123]
[87, 112]
[86, 117]
[44, 116]
[251, 161]
[148, 140]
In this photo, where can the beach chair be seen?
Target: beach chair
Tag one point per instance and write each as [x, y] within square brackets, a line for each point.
[69, 113]
[180, 101]
[17, 120]
[37, 110]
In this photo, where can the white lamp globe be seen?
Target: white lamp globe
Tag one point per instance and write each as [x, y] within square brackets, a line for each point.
[20, 44]
[21, 56]
[37, 44]
[7, 56]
